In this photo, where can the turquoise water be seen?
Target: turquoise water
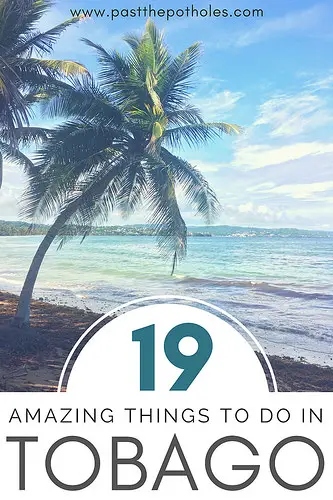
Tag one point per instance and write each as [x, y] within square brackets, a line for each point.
[281, 288]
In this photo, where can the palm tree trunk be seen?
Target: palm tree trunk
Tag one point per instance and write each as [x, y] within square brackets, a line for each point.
[1, 169]
[22, 316]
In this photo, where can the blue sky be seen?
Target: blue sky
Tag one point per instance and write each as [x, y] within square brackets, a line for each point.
[272, 75]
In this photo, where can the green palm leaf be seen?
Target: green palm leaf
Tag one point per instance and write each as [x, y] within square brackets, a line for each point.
[85, 101]
[165, 215]
[56, 67]
[198, 192]
[196, 134]
[114, 67]
[175, 85]
[24, 79]
[40, 42]
[16, 156]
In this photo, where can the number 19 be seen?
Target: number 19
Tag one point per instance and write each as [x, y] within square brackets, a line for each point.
[191, 365]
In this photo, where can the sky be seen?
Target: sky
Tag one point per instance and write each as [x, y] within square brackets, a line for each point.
[272, 75]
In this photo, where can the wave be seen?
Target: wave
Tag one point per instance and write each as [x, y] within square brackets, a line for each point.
[10, 281]
[259, 286]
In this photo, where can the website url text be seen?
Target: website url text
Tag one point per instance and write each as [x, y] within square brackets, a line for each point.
[148, 11]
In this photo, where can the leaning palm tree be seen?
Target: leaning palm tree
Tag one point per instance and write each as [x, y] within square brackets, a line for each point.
[24, 76]
[117, 151]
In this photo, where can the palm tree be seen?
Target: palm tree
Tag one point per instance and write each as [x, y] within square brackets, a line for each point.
[116, 150]
[24, 76]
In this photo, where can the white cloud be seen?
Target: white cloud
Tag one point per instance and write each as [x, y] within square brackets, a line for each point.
[273, 215]
[211, 80]
[294, 23]
[260, 155]
[250, 208]
[261, 188]
[249, 212]
[11, 191]
[216, 104]
[205, 166]
[299, 191]
[291, 115]
[321, 83]
[9, 200]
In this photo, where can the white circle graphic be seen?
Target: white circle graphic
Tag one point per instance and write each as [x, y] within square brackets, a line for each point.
[110, 360]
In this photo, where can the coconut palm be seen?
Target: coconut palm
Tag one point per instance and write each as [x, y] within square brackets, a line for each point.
[116, 151]
[24, 76]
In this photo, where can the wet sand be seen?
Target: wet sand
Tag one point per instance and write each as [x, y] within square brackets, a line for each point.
[31, 360]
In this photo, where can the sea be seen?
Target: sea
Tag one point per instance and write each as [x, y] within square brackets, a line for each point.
[279, 285]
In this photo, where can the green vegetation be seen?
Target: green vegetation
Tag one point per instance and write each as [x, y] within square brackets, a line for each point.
[25, 229]
[8, 228]
[25, 77]
[116, 150]
[20, 229]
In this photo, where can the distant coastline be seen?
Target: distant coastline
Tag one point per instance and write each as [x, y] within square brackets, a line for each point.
[18, 228]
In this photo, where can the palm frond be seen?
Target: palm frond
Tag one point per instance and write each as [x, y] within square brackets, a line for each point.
[114, 67]
[76, 141]
[22, 76]
[27, 135]
[55, 67]
[174, 87]
[225, 128]
[165, 215]
[41, 42]
[93, 198]
[16, 156]
[133, 189]
[184, 116]
[160, 50]
[33, 82]
[197, 190]
[56, 182]
[196, 134]
[132, 40]
[17, 17]
[84, 100]
[73, 152]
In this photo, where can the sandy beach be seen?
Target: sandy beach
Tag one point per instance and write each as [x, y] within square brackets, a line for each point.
[32, 360]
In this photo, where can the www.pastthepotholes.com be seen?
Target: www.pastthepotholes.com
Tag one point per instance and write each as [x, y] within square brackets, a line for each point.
[148, 11]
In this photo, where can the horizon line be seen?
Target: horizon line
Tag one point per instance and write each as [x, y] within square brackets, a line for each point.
[188, 226]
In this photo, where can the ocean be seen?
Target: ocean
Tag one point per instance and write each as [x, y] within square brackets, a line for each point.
[280, 286]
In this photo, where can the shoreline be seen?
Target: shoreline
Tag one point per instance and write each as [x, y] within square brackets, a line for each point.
[31, 360]
[91, 299]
